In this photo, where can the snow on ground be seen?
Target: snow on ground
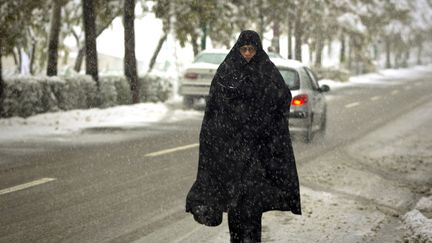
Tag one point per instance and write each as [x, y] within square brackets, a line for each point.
[382, 77]
[339, 204]
[402, 152]
[417, 223]
[367, 191]
[418, 227]
[72, 122]
[424, 205]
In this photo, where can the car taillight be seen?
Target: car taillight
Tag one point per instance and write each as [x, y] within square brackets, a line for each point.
[191, 75]
[299, 100]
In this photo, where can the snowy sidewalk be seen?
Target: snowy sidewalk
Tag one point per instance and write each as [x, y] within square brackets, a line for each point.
[377, 189]
[367, 192]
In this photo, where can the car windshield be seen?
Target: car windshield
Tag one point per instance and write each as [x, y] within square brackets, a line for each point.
[291, 78]
[214, 58]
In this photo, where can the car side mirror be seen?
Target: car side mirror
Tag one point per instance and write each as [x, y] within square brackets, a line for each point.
[324, 88]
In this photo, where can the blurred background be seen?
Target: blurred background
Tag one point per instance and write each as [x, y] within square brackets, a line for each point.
[338, 38]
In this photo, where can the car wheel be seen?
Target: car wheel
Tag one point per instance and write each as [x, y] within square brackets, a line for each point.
[308, 135]
[188, 102]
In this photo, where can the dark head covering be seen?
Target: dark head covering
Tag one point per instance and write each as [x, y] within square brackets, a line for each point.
[245, 147]
[247, 37]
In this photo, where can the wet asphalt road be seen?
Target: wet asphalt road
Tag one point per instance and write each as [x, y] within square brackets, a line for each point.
[113, 191]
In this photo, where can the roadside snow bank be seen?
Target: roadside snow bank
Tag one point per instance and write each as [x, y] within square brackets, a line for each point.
[73, 121]
[424, 205]
[418, 228]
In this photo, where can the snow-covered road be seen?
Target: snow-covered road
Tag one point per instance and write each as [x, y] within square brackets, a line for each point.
[368, 180]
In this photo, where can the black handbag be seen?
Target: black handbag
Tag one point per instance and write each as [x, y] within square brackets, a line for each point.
[206, 215]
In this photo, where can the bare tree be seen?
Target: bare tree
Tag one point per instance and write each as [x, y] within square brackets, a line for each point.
[90, 39]
[163, 11]
[276, 35]
[290, 30]
[157, 50]
[342, 57]
[81, 52]
[2, 84]
[130, 66]
[298, 33]
[54, 38]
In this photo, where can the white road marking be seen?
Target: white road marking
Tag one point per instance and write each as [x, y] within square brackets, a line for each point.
[408, 87]
[352, 105]
[375, 98]
[167, 151]
[418, 84]
[395, 92]
[26, 185]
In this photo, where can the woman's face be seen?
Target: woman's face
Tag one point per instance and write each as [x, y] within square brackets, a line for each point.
[248, 51]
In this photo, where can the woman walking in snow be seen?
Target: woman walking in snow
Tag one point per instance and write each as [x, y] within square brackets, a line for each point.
[246, 162]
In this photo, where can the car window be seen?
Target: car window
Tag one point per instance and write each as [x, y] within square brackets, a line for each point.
[214, 58]
[290, 77]
[313, 78]
[306, 80]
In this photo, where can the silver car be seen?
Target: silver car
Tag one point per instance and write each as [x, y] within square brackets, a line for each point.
[308, 112]
[197, 77]
[308, 107]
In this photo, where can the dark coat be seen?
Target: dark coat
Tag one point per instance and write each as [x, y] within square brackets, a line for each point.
[245, 146]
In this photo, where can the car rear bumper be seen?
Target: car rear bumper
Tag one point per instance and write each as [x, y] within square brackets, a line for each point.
[298, 122]
[194, 90]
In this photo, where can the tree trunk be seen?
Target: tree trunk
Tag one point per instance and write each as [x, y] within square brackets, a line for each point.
[419, 52]
[276, 36]
[32, 57]
[397, 58]
[261, 24]
[298, 40]
[79, 59]
[19, 59]
[194, 45]
[350, 52]
[204, 36]
[312, 47]
[81, 52]
[319, 49]
[15, 58]
[388, 49]
[156, 53]
[406, 58]
[357, 48]
[90, 39]
[32, 51]
[166, 27]
[290, 27]
[54, 38]
[130, 66]
[342, 57]
[2, 84]
[1, 67]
